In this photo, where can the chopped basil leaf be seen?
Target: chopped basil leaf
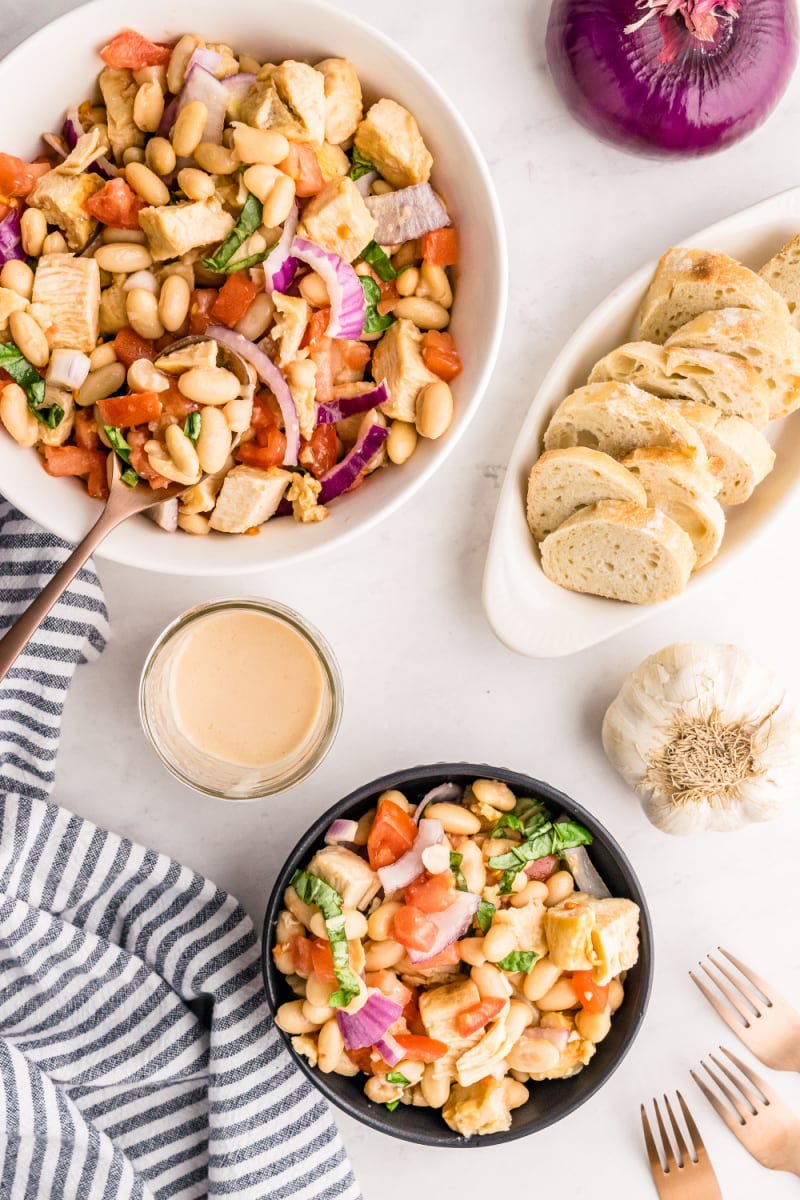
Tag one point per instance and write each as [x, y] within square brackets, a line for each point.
[374, 323]
[508, 821]
[123, 453]
[361, 166]
[519, 960]
[25, 374]
[398, 1078]
[542, 838]
[313, 890]
[129, 477]
[569, 834]
[31, 262]
[484, 915]
[192, 426]
[244, 264]
[249, 221]
[380, 262]
[455, 867]
[392, 1105]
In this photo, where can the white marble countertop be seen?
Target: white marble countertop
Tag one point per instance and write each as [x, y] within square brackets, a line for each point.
[425, 680]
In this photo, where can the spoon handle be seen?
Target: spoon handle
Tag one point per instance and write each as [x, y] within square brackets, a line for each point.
[14, 642]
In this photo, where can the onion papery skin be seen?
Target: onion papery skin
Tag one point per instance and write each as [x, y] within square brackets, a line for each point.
[707, 98]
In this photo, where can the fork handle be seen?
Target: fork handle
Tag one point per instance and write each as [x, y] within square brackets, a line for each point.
[14, 642]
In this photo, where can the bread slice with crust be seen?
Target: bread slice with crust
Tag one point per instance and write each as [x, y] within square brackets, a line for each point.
[782, 273]
[618, 417]
[742, 455]
[562, 481]
[621, 551]
[683, 491]
[771, 346]
[689, 282]
[677, 373]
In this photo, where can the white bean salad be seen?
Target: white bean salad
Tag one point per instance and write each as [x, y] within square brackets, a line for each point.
[199, 191]
[455, 952]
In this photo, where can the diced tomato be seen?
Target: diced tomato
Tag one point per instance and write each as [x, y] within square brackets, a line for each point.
[175, 404]
[348, 359]
[234, 298]
[315, 329]
[322, 960]
[593, 996]
[263, 418]
[116, 204]
[251, 454]
[413, 929]
[411, 1015]
[392, 834]
[301, 953]
[137, 408]
[420, 1049]
[440, 355]
[18, 177]
[542, 868]
[363, 1059]
[471, 1019]
[129, 49]
[302, 164]
[440, 248]
[203, 300]
[433, 893]
[85, 426]
[389, 297]
[449, 957]
[74, 460]
[318, 454]
[97, 479]
[129, 346]
[388, 983]
[136, 439]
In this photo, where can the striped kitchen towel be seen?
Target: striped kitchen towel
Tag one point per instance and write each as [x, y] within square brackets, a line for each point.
[137, 1056]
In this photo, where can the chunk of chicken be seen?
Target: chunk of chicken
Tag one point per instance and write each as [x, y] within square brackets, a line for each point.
[390, 138]
[478, 1109]
[438, 1009]
[292, 316]
[290, 99]
[486, 1056]
[88, 148]
[338, 220]
[397, 362]
[586, 933]
[527, 924]
[70, 288]
[174, 229]
[343, 101]
[348, 874]
[10, 302]
[303, 495]
[569, 935]
[333, 162]
[113, 309]
[62, 198]
[201, 354]
[119, 90]
[573, 1059]
[248, 498]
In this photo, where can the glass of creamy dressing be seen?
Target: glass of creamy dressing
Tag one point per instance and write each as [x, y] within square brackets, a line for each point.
[240, 698]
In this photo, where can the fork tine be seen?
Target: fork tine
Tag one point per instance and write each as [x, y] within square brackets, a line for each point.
[766, 1091]
[748, 973]
[734, 1001]
[694, 1132]
[734, 1102]
[717, 1104]
[683, 1150]
[669, 1154]
[745, 991]
[755, 1102]
[656, 1164]
[719, 1008]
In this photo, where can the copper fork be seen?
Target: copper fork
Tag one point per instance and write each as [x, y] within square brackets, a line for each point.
[756, 1115]
[763, 1020]
[690, 1175]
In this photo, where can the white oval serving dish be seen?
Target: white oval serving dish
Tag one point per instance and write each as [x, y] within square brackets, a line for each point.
[530, 614]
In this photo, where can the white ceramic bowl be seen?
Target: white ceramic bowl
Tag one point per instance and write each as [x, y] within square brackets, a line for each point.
[64, 53]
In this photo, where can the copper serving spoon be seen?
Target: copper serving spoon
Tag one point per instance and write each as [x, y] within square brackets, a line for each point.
[123, 502]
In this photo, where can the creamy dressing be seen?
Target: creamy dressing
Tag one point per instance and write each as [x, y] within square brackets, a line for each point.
[246, 688]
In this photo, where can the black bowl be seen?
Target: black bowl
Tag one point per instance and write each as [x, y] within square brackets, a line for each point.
[550, 1101]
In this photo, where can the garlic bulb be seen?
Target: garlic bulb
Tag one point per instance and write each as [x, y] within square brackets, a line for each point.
[706, 737]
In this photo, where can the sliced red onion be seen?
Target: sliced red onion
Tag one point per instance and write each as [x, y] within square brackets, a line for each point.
[71, 131]
[279, 266]
[209, 60]
[364, 184]
[451, 924]
[56, 144]
[349, 406]
[237, 87]
[445, 793]
[542, 868]
[408, 867]
[558, 1037]
[584, 873]
[72, 128]
[407, 214]
[390, 1050]
[168, 119]
[269, 374]
[346, 472]
[341, 831]
[370, 1023]
[68, 369]
[201, 85]
[348, 301]
[10, 238]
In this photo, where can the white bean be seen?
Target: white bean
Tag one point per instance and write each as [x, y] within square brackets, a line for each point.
[490, 982]
[122, 258]
[142, 309]
[196, 184]
[383, 954]
[454, 818]
[181, 450]
[379, 923]
[166, 467]
[17, 276]
[278, 203]
[214, 441]
[330, 1046]
[499, 942]
[173, 303]
[493, 792]
[559, 887]
[217, 160]
[407, 282]
[147, 184]
[435, 1086]
[143, 377]
[314, 290]
[160, 156]
[291, 1018]
[182, 51]
[112, 237]
[434, 409]
[531, 892]
[17, 417]
[102, 356]
[593, 1026]
[544, 976]
[209, 385]
[189, 128]
[434, 285]
[259, 145]
[426, 314]
[401, 442]
[238, 414]
[148, 106]
[54, 243]
[258, 318]
[30, 338]
[561, 996]
[33, 229]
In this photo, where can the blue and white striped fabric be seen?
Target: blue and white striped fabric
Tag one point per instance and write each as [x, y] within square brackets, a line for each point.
[137, 1056]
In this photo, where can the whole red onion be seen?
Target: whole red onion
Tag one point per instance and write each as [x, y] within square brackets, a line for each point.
[672, 77]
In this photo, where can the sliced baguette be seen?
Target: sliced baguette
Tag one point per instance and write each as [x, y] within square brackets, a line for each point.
[743, 455]
[689, 282]
[562, 481]
[782, 273]
[676, 373]
[684, 492]
[618, 417]
[619, 550]
[771, 346]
